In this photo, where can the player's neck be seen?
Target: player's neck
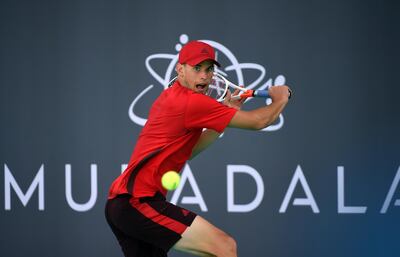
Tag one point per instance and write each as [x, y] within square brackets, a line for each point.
[182, 83]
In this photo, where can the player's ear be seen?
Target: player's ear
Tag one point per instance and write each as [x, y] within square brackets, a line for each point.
[179, 69]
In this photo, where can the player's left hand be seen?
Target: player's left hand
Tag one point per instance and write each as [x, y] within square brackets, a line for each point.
[234, 103]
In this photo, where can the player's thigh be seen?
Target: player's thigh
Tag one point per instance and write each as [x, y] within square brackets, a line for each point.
[203, 237]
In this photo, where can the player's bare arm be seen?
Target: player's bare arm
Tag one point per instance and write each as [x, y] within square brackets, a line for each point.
[206, 139]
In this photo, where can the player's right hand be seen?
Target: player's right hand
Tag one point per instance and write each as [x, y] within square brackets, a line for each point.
[279, 93]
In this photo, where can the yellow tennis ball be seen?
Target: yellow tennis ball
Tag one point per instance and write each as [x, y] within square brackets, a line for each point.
[170, 180]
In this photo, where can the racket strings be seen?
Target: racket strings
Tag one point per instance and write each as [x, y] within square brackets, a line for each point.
[217, 89]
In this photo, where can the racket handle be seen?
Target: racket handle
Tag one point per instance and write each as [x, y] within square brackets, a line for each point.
[261, 93]
[255, 93]
[252, 93]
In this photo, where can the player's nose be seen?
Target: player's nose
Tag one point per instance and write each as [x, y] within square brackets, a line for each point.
[204, 75]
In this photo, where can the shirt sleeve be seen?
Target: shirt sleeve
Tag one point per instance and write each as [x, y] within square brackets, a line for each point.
[204, 112]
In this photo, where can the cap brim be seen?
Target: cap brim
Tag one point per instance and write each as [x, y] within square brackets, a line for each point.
[200, 59]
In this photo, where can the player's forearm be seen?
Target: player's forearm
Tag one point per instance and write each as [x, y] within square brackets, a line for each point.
[259, 118]
[268, 114]
[206, 139]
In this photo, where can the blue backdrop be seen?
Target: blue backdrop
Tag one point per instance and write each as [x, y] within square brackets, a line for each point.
[77, 79]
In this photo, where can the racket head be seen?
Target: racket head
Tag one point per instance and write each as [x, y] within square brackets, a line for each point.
[218, 87]
[227, 85]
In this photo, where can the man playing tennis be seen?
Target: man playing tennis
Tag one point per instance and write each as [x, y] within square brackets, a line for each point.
[144, 223]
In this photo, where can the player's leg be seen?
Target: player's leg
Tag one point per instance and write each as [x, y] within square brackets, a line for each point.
[197, 253]
[122, 220]
[185, 230]
[164, 225]
[204, 239]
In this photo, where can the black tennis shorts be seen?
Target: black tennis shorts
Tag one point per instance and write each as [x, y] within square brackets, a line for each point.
[146, 227]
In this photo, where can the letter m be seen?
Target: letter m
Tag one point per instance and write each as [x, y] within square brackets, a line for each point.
[9, 181]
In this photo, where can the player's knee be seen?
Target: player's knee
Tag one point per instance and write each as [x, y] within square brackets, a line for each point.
[229, 245]
[232, 246]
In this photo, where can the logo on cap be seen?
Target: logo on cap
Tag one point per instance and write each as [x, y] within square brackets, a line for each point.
[205, 51]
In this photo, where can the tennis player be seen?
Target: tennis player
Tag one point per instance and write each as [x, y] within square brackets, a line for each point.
[145, 224]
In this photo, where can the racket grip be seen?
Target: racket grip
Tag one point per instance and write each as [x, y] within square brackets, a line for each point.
[261, 93]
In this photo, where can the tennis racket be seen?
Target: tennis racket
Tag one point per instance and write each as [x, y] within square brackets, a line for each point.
[219, 87]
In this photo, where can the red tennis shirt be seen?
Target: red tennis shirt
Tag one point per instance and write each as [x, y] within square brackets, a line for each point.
[174, 125]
